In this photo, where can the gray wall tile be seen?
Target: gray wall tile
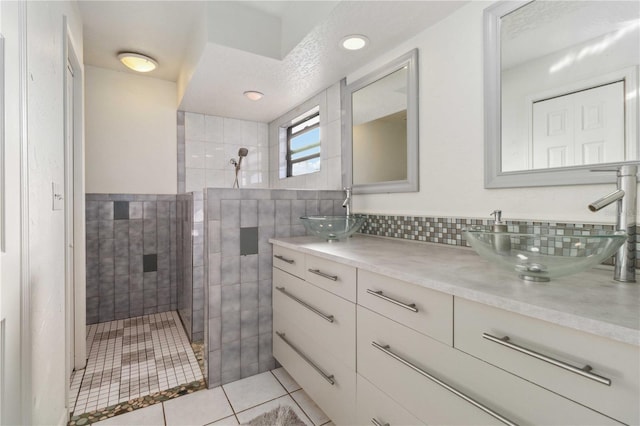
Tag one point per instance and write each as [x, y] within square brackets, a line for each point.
[230, 270]
[105, 210]
[248, 324]
[230, 327]
[283, 212]
[248, 213]
[266, 213]
[135, 210]
[230, 211]
[231, 356]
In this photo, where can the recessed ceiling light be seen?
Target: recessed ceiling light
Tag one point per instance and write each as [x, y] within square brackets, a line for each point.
[354, 42]
[253, 95]
[137, 61]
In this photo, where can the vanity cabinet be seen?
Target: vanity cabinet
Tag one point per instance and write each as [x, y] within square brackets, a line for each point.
[591, 370]
[371, 349]
[314, 330]
[439, 384]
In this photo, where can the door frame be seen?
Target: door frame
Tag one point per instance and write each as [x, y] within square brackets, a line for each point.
[74, 178]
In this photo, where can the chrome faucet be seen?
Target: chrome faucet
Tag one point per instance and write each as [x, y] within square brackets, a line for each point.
[347, 201]
[625, 196]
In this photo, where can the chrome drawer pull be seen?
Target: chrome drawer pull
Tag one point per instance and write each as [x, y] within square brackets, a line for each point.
[377, 423]
[306, 305]
[584, 371]
[411, 307]
[323, 275]
[386, 350]
[284, 259]
[328, 378]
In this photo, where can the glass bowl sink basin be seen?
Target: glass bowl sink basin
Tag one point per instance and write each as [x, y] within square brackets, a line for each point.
[332, 228]
[540, 257]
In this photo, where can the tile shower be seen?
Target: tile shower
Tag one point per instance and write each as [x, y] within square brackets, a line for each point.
[131, 255]
[238, 226]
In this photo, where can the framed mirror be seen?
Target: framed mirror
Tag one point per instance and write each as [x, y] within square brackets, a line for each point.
[561, 91]
[380, 129]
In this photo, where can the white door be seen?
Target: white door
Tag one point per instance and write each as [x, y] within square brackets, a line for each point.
[69, 222]
[14, 305]
[599, 130]
[553, 133]
[585, 127]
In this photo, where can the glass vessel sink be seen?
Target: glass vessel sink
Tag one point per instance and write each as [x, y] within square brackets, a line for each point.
[333, 228]
[540, 257]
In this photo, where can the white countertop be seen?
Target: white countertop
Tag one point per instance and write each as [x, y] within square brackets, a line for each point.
[590, 301]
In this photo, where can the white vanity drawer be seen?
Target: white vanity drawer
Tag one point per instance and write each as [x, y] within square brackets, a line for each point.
[615, 361]
[399, 370]
[427, 311]
[373, 404]
[330, 319]
[328, 381]
[288, 260]
[335, 277]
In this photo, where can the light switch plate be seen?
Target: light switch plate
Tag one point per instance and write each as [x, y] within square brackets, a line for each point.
[56, 194]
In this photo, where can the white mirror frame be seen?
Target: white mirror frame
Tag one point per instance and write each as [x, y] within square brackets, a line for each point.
[409, 60]
[494, 177]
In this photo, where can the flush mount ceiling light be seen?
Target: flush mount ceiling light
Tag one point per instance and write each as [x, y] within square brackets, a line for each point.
[137, 61]
[354, 42]
[253, 95]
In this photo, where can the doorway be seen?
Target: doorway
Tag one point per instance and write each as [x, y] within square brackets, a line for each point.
[74, 212]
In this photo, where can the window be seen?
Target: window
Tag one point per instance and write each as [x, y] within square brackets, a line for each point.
[303, 144]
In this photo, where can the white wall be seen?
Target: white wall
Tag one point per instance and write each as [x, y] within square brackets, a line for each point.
[329, 176]
[131, 133]
[45, 109]
[451, 138]
[210, 142]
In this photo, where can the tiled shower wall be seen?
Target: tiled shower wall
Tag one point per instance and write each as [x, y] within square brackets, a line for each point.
[131, 255]
[330, 174]
[239, 285]
[184, 253]
[191, 264]
[206, 143]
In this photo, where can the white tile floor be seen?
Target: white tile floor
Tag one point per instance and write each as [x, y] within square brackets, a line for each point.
[231, 404]
[132, 358]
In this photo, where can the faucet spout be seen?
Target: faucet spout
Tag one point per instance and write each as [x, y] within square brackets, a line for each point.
[606, 200]
[625, 198]
[347, 201]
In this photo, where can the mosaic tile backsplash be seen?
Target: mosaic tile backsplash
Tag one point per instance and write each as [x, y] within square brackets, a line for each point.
[449, 230]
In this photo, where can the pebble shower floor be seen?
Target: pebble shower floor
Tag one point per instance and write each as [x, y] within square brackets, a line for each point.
[131, 358]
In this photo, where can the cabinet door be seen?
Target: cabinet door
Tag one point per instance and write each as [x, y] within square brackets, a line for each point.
[337, 278]
[427, 311]
[401, 377]
[288, 260]
[330, 319]
[376, 406]
[616, 361]
[328, 382]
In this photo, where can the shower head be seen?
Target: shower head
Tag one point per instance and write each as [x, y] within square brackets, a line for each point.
[242, 152]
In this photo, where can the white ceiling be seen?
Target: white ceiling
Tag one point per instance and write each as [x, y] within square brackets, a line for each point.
[227, 68]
